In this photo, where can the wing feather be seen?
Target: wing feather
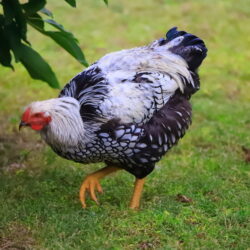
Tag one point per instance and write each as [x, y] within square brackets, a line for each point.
[134, 100]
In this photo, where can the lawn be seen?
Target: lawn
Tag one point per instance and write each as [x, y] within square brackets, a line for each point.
[198, 197]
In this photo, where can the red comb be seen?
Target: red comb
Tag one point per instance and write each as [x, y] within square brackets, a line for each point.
[26, 115]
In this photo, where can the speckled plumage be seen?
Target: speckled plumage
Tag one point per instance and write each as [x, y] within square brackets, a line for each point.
[132, 105]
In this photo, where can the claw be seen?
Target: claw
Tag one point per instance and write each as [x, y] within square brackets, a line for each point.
[90, 184]
[99, 188]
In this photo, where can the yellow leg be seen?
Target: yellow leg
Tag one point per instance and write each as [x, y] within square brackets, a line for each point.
[91, 182]
[135, 200]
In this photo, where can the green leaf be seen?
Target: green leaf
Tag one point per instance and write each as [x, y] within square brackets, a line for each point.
[56, 25]
[8, 13]
[46, 12]
[14, 15]
[13, 37]
[62, 37]
[37, 67]
[106, 2]
[33, 6]
[36, 22]
[5, 56]
[66, 41]
[71, 2]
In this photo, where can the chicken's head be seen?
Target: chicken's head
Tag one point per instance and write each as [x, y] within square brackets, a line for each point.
[35, 120]
[53, 117]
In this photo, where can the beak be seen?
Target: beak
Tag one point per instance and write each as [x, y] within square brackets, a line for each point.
[22, 124]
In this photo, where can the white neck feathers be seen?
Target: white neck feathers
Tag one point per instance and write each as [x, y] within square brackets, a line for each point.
[66, 128]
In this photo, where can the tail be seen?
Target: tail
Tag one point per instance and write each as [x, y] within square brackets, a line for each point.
[188, 46]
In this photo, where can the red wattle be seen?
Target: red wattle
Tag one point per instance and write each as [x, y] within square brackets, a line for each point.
[37, 126]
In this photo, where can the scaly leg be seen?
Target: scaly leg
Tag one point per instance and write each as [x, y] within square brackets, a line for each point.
[135, 200]
[91, 183]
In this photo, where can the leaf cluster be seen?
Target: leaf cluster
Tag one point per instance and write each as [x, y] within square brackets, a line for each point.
[15, 19]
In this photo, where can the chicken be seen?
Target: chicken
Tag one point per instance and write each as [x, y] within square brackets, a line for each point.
[127, 109]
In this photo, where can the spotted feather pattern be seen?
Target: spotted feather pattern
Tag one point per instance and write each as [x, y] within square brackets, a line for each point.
[134, 103]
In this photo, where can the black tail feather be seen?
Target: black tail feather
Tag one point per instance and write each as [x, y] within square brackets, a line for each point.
[191, 48]
[173, 33]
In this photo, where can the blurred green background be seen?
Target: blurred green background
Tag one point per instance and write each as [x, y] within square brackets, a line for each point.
[39, 190]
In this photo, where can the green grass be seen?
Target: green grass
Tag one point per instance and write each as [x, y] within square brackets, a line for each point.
[39, 190]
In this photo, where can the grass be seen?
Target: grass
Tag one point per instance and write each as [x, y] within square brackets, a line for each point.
[38, 190]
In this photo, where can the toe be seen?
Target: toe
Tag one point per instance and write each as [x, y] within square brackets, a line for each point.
[92, 192]
[99, 188]
[82, 195]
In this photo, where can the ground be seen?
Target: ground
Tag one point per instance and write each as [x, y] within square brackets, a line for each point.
[197, 198]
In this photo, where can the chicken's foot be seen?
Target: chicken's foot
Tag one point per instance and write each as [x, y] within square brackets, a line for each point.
[91, 183]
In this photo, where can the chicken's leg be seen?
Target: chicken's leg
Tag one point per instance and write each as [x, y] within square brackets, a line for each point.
[91, 183]
[135, 200]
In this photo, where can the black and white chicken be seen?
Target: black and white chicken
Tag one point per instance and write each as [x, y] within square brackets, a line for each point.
[127, 109]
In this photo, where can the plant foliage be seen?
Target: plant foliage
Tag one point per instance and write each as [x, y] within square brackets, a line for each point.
[14, 22]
